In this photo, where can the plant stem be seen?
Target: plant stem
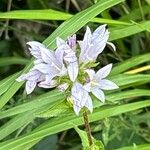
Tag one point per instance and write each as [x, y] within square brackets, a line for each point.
[87, 127]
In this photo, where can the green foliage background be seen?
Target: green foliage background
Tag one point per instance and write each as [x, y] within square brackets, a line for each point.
[43, 120]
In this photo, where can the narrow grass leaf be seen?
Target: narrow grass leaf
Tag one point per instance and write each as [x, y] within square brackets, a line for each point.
[61, 124]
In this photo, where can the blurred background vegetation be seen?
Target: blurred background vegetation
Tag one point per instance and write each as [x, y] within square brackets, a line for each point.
[115, 132]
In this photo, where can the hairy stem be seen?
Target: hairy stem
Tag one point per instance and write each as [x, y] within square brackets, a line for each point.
[87, 127]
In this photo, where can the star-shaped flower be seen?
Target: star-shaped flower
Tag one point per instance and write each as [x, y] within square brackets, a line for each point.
[33, 78]
[60, 68]
[47, 65]
[93, 44]
[80, 98]
[97, 82]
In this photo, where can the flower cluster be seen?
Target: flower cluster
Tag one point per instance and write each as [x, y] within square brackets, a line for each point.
[69, 68]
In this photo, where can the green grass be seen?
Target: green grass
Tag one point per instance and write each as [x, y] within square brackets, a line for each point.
[25, 120]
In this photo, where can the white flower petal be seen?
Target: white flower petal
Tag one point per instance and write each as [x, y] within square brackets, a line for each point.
[63, 87]
[99, 32]
[63, 71]
[62, 44]
[87, 36]
[38, 61]
[47, 69]
[45, 84]
[79, 96]
[76, 108]
[59, 41]
[98, 93]
[35, 44]
[70, 57]
[48, 56]
[44, 68]
[91, 73]
[97, 47]
[85, 45]
[88, 86]
[89, 104]
[35, 53]
[93, 44]
[73, 70]
[33, 75]
[112, 45]
[59, 53]
[107, 85]
[35, 48]
[103, 72]
[30, 86]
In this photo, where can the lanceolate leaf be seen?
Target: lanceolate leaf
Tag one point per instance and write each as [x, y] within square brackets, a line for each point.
[16, 123]
[72, 25]
[61, 124]
[45, 99]
[136, 147]
[7, 82]
[49, 14]
[130, 30]
[129, 63]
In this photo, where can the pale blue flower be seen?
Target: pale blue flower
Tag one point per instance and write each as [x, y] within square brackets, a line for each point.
[35, 50]
[97, 82]
[80, 98]
[69, 55]
[52, 64]
[36, 78]
[93, 44]
[47, 64]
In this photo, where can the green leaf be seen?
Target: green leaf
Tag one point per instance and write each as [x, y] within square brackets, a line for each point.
[45, 14]
[124, 80]
[53, 111]
[15, 123]
[97, 145]
[37, 102]
[83, 137]
[130, 30]
[72, 25]
[11, 89]
[136, 147]
[60, 124]
[130, 63]
[12, 60]
[7, 82]
[50, 14]
[135, 14]
[58, 109]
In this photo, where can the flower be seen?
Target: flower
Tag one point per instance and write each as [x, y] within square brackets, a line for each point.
[69, 55]
[80, 98]
[47, 65]
[52, 64]
[93, 44]
[60, 68]
[97, 82]
[35, 50]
